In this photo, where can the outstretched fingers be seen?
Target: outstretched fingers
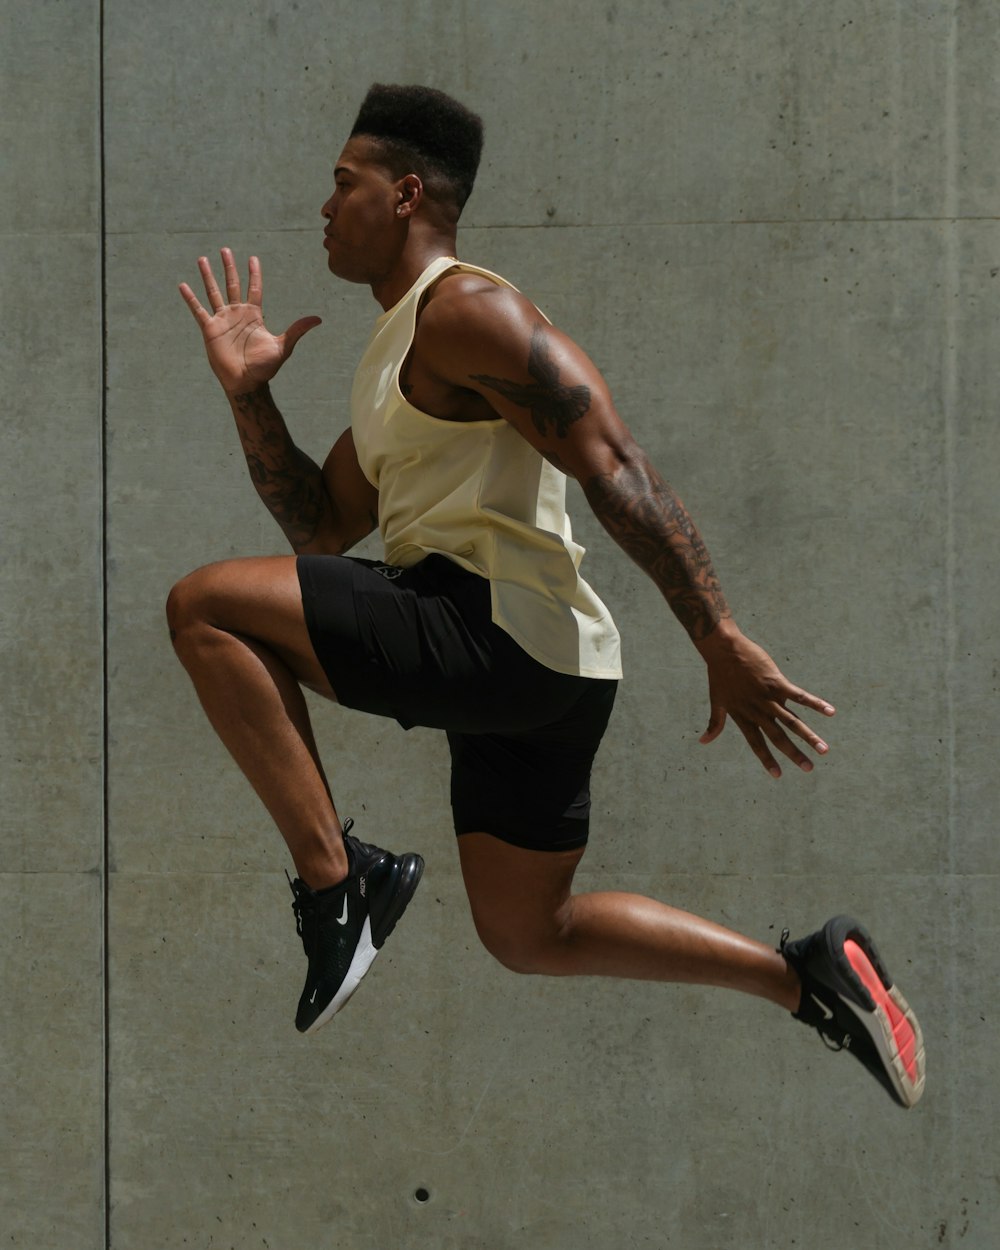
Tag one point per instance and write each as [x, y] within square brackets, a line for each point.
[771, 728]
[758, 744]
[241, 350]
[255, 290]
[213, 292]
[768, 730]
[745, 682]
[233, 293]
[200, 314]
[775, 727]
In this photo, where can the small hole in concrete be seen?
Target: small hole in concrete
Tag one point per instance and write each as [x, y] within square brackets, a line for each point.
[422, 1195]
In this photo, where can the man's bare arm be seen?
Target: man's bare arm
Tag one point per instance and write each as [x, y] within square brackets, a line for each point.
[289, 483]
[325, 511]
[545, 386]
[635, 505]
[645, 517]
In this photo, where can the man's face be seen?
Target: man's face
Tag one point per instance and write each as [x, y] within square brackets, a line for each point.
[361, 235]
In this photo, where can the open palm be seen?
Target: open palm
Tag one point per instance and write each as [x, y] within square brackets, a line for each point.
[243, 353]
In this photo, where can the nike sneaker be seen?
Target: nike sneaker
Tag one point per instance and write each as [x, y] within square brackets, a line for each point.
[851, 1001]
[342, 929]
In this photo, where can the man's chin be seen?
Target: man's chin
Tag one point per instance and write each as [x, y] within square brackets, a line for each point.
[345, 274]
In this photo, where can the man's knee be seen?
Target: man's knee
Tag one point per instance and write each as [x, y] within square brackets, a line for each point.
[186, 603]
[509, 954]
[518, 952]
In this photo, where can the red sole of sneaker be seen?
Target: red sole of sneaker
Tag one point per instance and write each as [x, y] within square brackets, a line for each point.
[894, 1028]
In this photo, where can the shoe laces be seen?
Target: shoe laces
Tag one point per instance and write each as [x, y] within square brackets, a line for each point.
[300, 903]
[304, 899]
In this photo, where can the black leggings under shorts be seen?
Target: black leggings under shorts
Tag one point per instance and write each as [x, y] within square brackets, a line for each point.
[419, 645]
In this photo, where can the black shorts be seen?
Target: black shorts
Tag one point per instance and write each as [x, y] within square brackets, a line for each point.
[419, 645]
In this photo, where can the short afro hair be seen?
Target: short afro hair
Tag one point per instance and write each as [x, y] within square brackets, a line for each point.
[422, 131]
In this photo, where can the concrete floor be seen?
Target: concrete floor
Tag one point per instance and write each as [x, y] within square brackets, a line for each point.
[774, 227]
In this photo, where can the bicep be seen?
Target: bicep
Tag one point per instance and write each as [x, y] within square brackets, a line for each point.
[353, 499]
[549, 390]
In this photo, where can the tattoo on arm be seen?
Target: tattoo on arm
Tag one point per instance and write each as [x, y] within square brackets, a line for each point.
[553, 406]
[289, 483]
[648, 521]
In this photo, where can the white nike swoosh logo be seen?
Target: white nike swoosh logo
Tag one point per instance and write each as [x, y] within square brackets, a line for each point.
[342, 918]
[827, 1013]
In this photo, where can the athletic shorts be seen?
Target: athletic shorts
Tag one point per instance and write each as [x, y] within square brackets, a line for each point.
[419, 645]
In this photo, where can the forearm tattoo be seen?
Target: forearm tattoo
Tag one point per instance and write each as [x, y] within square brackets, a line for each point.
[553, 406]
[288, 482]
[647, 520]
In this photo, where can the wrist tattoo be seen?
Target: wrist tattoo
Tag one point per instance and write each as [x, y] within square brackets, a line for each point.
[553, 406]
[647, 520]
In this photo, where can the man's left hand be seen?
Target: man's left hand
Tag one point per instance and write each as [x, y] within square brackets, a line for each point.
[746, 684]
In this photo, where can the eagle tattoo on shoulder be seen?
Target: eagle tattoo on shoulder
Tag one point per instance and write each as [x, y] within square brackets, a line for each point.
[553, 406]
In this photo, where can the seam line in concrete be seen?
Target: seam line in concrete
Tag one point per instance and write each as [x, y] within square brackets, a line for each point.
[943, 219]
[105, 777]
[950, 417]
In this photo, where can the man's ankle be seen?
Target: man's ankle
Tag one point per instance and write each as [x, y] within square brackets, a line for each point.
[326, 870]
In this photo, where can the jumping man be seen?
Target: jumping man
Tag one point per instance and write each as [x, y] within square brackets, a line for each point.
[469, 410]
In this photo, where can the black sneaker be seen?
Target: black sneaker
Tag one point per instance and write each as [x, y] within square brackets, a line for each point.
[849, 998]
[343, 929]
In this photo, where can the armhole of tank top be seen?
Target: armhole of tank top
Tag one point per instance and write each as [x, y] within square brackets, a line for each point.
[424, 295]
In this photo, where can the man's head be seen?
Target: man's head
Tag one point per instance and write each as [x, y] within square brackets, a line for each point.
[425, 132]
[400, 182]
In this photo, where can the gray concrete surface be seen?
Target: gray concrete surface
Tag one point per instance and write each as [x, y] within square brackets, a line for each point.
[51, 726]
[773, 226]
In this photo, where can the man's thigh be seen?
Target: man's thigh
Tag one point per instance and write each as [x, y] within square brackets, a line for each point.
[419, 645]
[257, 598]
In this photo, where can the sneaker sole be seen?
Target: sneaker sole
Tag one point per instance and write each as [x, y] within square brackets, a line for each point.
[892, 1027]
[412, 869]
[364, 957]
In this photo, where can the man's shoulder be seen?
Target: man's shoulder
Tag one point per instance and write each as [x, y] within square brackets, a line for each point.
[460, 289]
[463, 304]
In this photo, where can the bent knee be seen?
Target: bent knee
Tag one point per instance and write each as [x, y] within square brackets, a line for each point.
[518, 952]
[187, 602]
[179, 605]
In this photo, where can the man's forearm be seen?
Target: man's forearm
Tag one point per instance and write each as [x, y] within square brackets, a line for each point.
[643, 515]
[289, 483]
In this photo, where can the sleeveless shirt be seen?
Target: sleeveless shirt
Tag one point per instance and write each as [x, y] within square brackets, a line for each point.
[479, 493]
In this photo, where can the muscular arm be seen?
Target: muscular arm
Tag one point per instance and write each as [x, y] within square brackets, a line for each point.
[573, 423]
[288, 482]
[323, 511]
[496, 345]
[647, 519]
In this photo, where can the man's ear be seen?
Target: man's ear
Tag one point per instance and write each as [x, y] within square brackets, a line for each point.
[411, 192]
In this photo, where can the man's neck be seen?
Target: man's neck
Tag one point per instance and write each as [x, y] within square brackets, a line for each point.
[414, 259]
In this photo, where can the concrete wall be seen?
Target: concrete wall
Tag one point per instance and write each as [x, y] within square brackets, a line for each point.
[52, 968]
[773, 225]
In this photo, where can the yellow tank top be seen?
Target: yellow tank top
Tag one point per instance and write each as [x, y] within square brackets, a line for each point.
[478, 492]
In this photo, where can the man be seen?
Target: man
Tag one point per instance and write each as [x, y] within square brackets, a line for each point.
[469, 410]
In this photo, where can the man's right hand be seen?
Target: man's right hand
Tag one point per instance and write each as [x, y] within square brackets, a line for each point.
[243, 353]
